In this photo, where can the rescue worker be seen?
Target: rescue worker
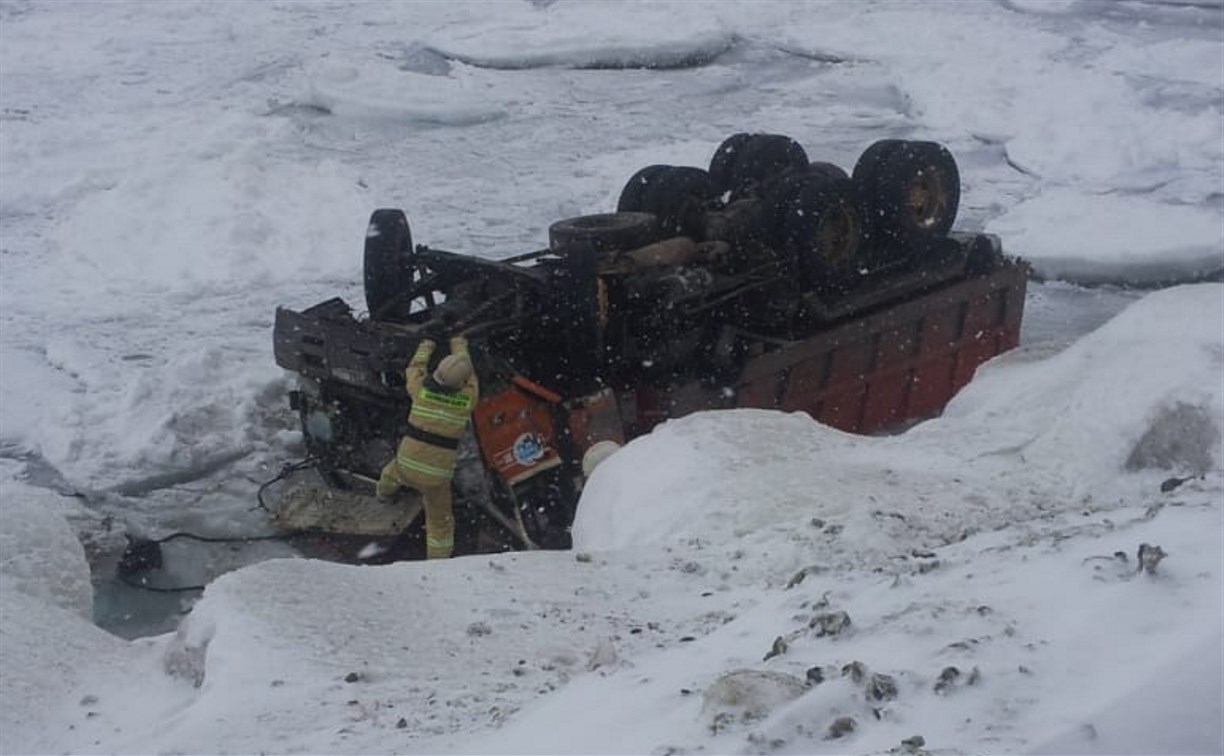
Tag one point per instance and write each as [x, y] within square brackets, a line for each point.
[425, 460]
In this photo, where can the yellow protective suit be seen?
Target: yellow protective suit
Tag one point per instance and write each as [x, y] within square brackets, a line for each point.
[425, 459]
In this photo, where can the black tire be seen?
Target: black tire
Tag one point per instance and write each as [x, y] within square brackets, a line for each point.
[818, 224]
[868, 165]
[827, 170]
[910, 191]
[722, 165]
[606, 231]
[745, 162]
[677, 195]
[780, 189]
[631, 197]
[387, 265]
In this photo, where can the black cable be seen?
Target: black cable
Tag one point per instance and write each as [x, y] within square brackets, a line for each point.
[144, 560]
[157, 589]
[284, 473]
[124, 574]
[225, 539]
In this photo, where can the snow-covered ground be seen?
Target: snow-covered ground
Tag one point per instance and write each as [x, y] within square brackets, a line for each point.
[170, 172]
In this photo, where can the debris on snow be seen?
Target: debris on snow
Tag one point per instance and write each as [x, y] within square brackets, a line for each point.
[746, 695]
[1149, 556]
[947, 678]
[855, 670]
[778, 648]
[1179, 437]
[925, 567]
[184, 659]
[689, 567]
[831, 623]
[479, 630]
[1172, 484]
[841, 727]
[763, 742]
[951, 678]
[604, 655]
[798, 577]
[881, 687]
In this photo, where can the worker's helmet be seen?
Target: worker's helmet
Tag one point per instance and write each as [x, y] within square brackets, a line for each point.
[453, 371]
[599, 451]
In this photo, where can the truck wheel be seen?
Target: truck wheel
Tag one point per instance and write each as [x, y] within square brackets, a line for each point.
[632, 195]
[744, 162]
[827, 170]
[780, 190]
[909, 190]
[818, 224]
[677, 195]
[606, 231]
[722, 165]
[387, 264]
[868, 165]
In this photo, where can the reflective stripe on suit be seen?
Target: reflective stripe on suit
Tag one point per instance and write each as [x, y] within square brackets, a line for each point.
[425, 466]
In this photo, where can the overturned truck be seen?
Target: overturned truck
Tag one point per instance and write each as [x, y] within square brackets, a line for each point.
[766, 280]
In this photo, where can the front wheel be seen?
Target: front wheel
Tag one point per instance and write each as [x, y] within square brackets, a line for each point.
[388, 265]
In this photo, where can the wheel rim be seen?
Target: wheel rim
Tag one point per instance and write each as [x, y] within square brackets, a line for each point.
[926, 198]
[837, 235]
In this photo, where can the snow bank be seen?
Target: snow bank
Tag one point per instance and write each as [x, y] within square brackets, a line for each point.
[1022, 440]
[1087, 410]
[600, 35]
[1139, 716]
[40, 555]
[46, 652]
[1104, 238]
[46, 637]
[446, 648]
[1033, 638]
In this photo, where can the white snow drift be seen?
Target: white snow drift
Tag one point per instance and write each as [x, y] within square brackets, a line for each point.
[171, 172]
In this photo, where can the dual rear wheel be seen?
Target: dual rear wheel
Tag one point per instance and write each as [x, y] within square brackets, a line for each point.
[898, 203]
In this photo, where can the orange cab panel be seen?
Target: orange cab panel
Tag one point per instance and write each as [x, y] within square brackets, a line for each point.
[516, 434]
